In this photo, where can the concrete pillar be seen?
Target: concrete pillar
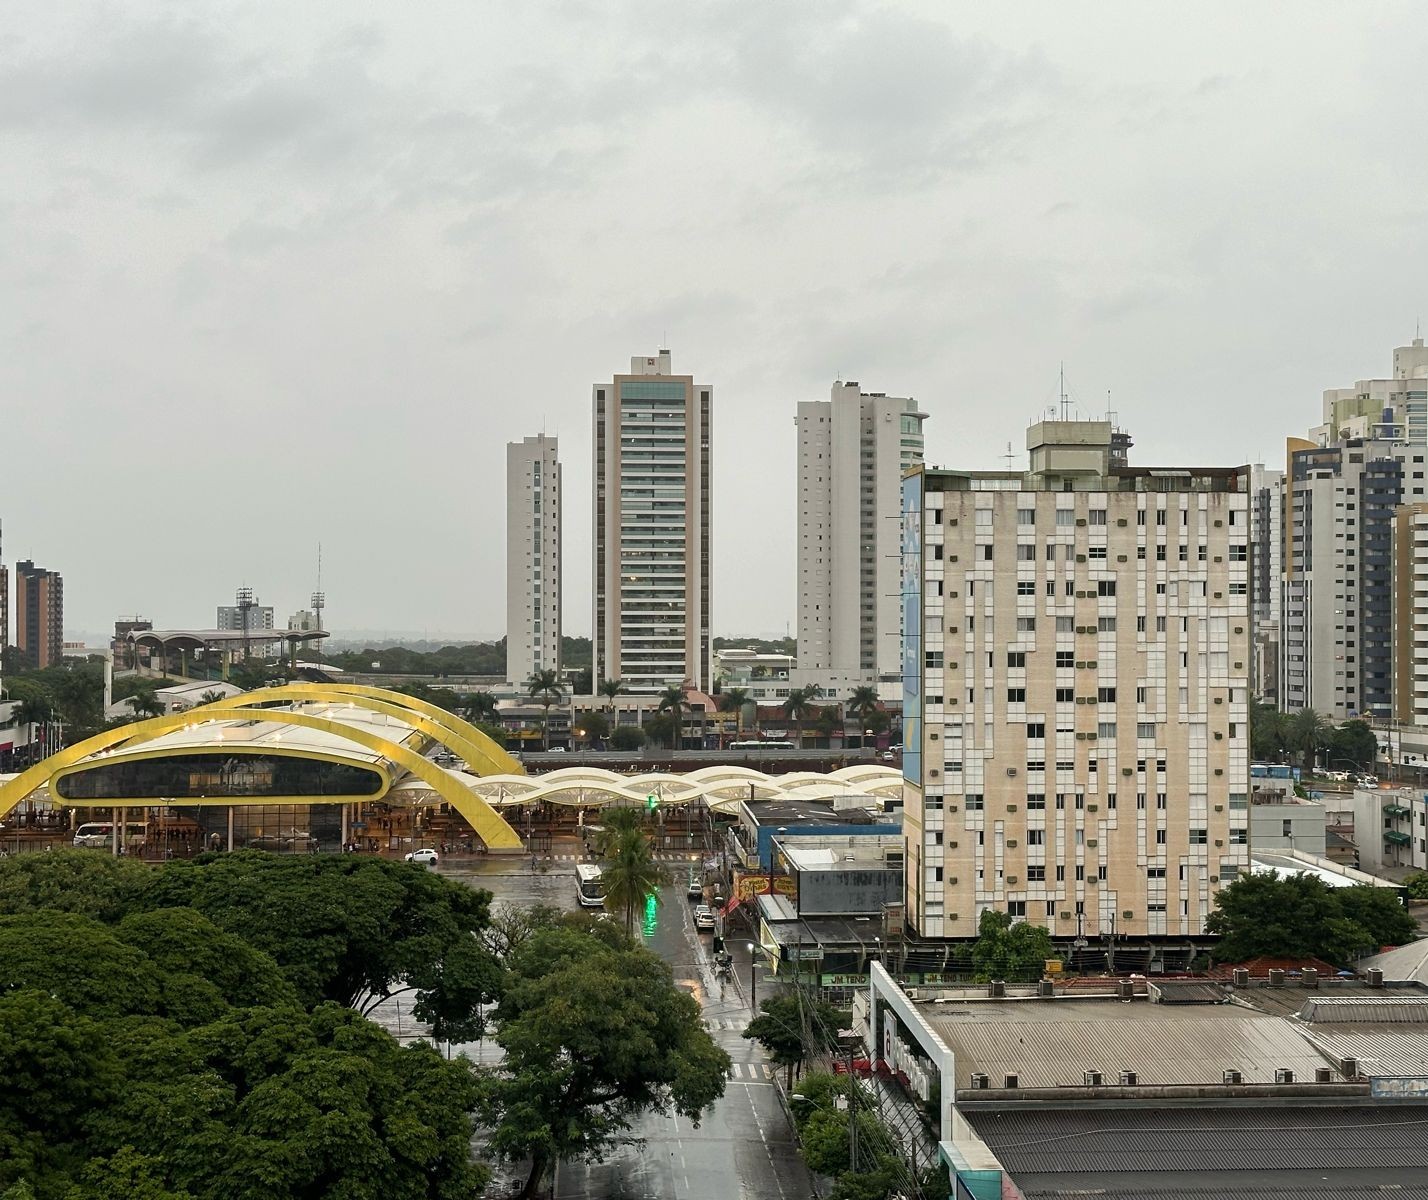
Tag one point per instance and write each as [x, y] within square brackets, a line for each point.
[346, 815]
[230, 827]
[116, 834]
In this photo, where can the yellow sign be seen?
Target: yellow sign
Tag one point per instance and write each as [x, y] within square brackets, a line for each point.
[746, 887]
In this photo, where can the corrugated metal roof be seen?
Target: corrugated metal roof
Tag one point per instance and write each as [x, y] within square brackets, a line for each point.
[1379, 1009]
[1245, 1152]
[1187, 992]
[1381, 1049]
[1404, 962]
[1052, 1043]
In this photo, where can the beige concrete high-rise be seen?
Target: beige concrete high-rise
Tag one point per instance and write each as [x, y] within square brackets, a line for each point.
[39, 614]
[533, 567]
[1076, 685]
[652, 488]
[852, 451]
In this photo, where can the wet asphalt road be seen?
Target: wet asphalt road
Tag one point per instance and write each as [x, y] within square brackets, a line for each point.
[743, 1149]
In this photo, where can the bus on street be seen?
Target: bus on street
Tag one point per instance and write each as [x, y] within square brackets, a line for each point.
[589, 886]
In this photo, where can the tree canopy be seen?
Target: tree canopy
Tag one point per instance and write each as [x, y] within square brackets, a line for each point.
[1301, 916]
[595, 1033]
[1009, 949]
[792, 1027]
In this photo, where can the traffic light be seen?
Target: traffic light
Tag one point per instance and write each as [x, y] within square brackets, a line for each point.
[652, 802]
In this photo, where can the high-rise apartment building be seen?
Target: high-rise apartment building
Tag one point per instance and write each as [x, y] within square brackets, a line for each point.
[533, 506]
[39, 614]
[230, 617]
[852, 451]
[1394, 409]
[1076, 686]
[1336, 644]
[652, 477]
[1410, 613]
[1266, 567]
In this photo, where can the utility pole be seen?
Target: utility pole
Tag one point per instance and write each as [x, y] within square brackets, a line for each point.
[852, 1110]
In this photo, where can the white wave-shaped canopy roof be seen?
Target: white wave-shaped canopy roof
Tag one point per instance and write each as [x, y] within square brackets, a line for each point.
[718, 787]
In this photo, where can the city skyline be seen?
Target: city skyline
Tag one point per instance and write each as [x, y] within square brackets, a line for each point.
[348, 227]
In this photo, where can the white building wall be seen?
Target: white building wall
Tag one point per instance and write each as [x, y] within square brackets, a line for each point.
[533, 551]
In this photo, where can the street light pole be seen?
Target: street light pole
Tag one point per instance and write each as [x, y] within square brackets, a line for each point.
[753, 978]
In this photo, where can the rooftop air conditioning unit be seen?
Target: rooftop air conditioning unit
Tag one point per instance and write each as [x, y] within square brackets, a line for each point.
[1232, 1077]
[1091, 1078]
[1012, 1081]
[1125, 989]
[1310, 978]
[1323, 1075]
[1283, 1075]
[1349, 1068]
[1240, 977]
[979, 1082]
[998, 989]
[1128, 1079]
[1045, 988]
[1276, 977]
[1374, 977]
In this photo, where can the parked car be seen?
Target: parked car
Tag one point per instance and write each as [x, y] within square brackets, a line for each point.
[694, 890]
[889, 756]
[426, 856]
[703, 918]
[556, 750]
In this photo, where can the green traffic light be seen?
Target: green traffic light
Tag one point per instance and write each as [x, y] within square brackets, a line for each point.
[652, 802]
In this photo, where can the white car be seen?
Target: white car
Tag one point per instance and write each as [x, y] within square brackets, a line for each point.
[703, 917]
[426, 856]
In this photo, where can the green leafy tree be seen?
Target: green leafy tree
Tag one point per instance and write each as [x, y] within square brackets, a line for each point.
[1300, 916]
[792, 1027]
[1306, 732]
[545, 688]
[595, 726]
[733, 700]
[627, 737]
[1008, 949]
[663, 730]
[479, 706]
[796, 707]
[1353, 743]
[1268, 732]
[674, 703]
[595, 1034]
[73, 881]
[862, 704]
[1416, 886]
[145, 703]
[610, 689]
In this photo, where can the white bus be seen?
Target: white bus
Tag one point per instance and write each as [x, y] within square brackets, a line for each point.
[589, 886]
[770, 744]
[100, 834]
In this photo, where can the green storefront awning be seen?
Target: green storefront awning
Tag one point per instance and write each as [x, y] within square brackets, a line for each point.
[1394, 810]
[1396, 838]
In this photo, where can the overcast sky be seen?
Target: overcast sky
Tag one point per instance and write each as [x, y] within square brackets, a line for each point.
[275, 274]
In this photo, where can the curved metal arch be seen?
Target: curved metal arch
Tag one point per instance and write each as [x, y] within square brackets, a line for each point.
[485, 820]
[477, 749]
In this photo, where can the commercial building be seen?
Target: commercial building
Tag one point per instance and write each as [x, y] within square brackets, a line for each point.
[1336, 653]
[1260, 1087]
[1266, 569]
[39, 614]
[852, 451]
[652, 480]
[1391, 829]
[1374, 407]
[533, 578]
[1076, 685]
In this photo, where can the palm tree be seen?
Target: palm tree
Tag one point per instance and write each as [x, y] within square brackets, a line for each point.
[610, 688]
[212, 696]
[733, 700]
[479, 706]
[146, 703]
[672, 701]
[545, 688]
[862, 703]
[629, 872]
[795, 708]
[1307, 732]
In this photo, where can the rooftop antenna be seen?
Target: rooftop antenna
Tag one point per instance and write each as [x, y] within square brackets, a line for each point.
[1110, 412]
[1065, 403]
[1009, 456]
[319, 597]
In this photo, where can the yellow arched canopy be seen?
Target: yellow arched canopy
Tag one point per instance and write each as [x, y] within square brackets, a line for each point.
[489, 825]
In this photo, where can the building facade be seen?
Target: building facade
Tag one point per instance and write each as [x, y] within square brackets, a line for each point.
[1337, 639]
[230, 617]
[39, 614]
[652, 484]
[533, 580]
[852, 451]
[1410, 614]
[1266, 569]
[1386, 409]
[1076, 683]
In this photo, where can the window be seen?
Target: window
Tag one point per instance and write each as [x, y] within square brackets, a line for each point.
[1035, 801]
[1097, 516]
[1140, 800]
[1026, 516]
[1145, 729]
[1140, 517]
[1140, 553]
[1016, 659]
[1159, 624]
[1095, 552]
[1110, 800]
[1026, 554]
[1016, 908]
[1140, 694]
[1065, 695]
[1240, 836]
[1026, 587]
[1060, 874]
[1106, 695]
[1080, 873]
[1239, 552]
[1066, 658]
[1036, 837]
[986, 554]
[1106, 729]
[1105, 587]
[1036, 729]
[1202, 552]
[1199, 837]
[1160, 837]
[1239, 589]
[1016, 695]
[973, 801]
[1106, 624]
[1155, 872]
[1061, 801]
[1065, 624]
[1026, 624]
[1065, 518]
[1036, 874]
[1035, 764]
[1160, 552]
[1183, 553]
[1161, 801]
[1140, 624]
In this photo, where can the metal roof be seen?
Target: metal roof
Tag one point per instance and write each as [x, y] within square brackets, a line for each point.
[1051, 1043]
[1251, 1153]
[1382, 1050]
[1378, 1008]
